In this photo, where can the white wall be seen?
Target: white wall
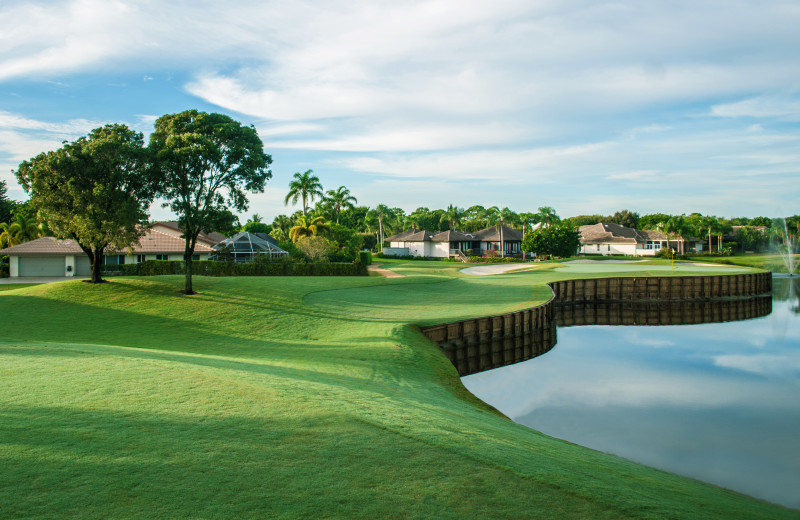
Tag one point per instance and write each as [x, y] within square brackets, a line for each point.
[13, 266]
[396, 251]
[439, 249]
[70, 262]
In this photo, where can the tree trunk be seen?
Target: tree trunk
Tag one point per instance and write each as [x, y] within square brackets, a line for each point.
[380, 226]
[187, 259]
[96, 258]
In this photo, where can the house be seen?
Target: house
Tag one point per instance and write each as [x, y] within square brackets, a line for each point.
[443, 244]
[606, 238]
[48, 256]
[246, 247]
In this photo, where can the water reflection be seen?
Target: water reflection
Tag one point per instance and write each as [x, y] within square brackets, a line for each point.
[715, 401]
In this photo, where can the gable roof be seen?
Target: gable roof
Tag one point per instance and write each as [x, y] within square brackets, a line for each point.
[608, 232]
[492, 234]
[154, 241]
[172, 228]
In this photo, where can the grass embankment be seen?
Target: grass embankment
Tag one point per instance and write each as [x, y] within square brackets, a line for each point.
[289, 398]
[772, 263]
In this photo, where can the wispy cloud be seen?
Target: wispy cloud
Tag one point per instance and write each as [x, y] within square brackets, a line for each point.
[781, 107]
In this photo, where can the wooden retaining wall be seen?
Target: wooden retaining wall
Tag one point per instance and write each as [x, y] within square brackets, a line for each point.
[482, 343]
[661, 287]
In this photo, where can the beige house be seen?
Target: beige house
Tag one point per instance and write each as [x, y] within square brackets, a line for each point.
[48, 256]
[606, 239]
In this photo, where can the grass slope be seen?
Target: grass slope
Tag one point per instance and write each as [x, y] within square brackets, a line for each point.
[286, 398]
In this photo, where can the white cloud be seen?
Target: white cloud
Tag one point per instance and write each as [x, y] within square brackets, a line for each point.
[762, 364]
[781, 107]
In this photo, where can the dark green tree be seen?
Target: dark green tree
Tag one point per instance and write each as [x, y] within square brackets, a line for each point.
[626, 218]
[6, 204]
[560, 240]
[340, 199]
[95, 190]
[208, 163]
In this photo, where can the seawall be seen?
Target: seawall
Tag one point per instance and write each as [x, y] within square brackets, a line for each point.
[479, 344]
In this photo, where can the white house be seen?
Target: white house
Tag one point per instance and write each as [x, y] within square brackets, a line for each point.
[447, 243]
[48, 256]
[606, 239]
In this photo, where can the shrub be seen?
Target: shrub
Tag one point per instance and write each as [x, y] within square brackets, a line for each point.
[4, 267]
[278, 267]
[365, 257]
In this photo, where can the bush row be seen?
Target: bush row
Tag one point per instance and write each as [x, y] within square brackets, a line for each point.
[4, 266]
[212, 268]
[495, 260]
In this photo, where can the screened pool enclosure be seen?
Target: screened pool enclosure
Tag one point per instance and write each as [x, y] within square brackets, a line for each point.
[246, 247]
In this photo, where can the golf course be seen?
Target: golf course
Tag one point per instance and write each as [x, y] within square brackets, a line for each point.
[296, 397]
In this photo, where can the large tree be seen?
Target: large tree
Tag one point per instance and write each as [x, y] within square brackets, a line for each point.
[555, 240]
[95, 190]
[6, 204]
[208, 163]
[305, 187]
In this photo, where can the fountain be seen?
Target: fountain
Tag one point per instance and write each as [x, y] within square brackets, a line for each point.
[788, 255]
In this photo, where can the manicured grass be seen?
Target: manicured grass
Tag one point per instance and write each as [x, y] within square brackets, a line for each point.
[773, 263]
[13, 286]
[289, 398]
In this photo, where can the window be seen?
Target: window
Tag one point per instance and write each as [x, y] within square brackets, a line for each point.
[114, 259]
[140, 258]
[609, 247]
[195, 257]
[162, 257]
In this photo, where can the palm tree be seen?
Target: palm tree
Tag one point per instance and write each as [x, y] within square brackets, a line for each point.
[283, 223]
[306, 187]
[454, 215]
[381, 212]
[340, 199]
[547, 216]
[308, 227]
[9, 234]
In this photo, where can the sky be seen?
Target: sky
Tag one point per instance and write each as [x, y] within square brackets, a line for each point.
[586, 106]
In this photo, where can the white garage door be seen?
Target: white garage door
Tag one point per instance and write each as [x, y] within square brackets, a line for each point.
[41, 265]
[82, 266]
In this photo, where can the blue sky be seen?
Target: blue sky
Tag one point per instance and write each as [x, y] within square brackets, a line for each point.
[586, 106]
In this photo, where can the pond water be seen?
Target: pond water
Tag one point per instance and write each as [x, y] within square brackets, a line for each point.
[719, 402]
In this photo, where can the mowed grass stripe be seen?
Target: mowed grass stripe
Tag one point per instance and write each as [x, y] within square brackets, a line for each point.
[278, 397]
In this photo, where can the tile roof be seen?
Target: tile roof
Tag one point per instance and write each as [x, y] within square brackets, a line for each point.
[492, 234]
[212, 238]
[607, 232]
[154, 241]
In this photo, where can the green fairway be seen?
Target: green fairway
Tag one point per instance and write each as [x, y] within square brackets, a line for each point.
[291, 397]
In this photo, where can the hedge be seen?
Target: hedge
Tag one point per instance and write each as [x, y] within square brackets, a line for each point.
[365, 257]
[212, 268]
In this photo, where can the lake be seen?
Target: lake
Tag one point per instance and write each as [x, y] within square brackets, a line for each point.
[719, 402]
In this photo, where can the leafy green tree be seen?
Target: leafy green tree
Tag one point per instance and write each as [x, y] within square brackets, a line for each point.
[280, 226]
[199, 156]
[308, 227]
[95, 190]
[305, 187]
[760, 221]
[340, 199]
[626, 218]
[6, 204]
[652, 221]
[750, 238]
[586, 220]
[474, 218]
[316, 248]
[9, 234]
[561, 240]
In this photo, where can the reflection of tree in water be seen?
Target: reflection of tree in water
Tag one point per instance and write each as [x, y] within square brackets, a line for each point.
[787, 289]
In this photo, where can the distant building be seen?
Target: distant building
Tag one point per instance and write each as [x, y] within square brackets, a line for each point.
[443, 244]
[48, 256]
[607, 238]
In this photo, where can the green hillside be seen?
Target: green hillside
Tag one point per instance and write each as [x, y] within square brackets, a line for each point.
[289, 398]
